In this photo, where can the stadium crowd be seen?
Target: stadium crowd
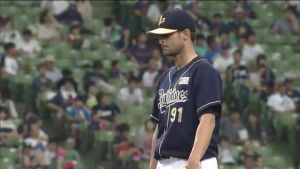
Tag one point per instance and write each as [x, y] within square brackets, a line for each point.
[71, 102]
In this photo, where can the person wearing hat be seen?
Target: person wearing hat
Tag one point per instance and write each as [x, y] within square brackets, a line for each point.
[187, 105]
[53, 73]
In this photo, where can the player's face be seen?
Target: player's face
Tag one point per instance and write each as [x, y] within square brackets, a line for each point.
[171, 44]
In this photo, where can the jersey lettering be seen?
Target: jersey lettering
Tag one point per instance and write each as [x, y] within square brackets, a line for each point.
[171, 97]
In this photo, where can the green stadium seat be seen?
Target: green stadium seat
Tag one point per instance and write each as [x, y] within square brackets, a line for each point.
[284, 123]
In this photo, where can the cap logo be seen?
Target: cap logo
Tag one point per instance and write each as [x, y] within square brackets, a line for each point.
[161, 20]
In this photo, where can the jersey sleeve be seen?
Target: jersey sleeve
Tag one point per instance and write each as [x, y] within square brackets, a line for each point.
[208, 91]
[155, 110]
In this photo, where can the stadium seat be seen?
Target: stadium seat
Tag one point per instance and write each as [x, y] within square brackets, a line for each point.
[285, 123]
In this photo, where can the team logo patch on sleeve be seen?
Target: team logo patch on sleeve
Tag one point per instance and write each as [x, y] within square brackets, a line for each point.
[184, 80]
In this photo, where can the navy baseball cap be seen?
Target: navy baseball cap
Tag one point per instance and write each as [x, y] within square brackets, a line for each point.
[173, 21]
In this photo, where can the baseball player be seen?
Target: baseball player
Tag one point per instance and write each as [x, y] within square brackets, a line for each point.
[187, 105]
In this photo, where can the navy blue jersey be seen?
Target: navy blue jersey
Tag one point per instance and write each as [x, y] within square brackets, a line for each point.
[183, 95]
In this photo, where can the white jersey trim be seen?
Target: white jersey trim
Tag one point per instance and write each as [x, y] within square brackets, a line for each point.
[208, 104]
[154, 117]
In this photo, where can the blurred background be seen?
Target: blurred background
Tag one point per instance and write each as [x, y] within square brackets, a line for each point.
[77, 81]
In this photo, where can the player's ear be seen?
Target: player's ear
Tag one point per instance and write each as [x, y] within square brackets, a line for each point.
[185, 34]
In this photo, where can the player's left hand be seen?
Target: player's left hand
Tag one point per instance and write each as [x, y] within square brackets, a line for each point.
[193, 165]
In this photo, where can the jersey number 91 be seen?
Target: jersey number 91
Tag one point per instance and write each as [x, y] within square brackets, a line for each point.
[176, 113]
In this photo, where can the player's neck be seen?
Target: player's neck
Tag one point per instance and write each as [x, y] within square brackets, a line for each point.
[185, 57]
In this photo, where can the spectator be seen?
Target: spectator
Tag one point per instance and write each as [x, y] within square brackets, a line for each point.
[249, 151]
[226, 156]
[200, 45]
[63, 98]
[67, 74]
[8, 34]
[237, 73]
[146, 138]
[153, 12]
[225, 40]
[75, 38]
[193, 8]
[156, 55]
[267, 77]
[54, 7]
[233, 128]
[139, 51]
[292, 92]
[116, 70]
[136, 19]
[29, 46]
[71, 15]
[53, 73]
[247, 8]
[91, 96]
[254, 128]
[97, 76]
[279, 101]
[50, 154]
[104, 113]
[85, 9]
[218, 25]
[149, 75]
[123, 44]
[289, 25]
[251, 49]
[26, 157]
[8, 132]
[77, 114]
[41, 84]
[213, 48]
[48, 29]
[123, 146]
[112, 32]
[68, 157]
[222, 62]
[37, 139]
[248, 162]
[7, 101]
[238, 21]
[256, 79]
[11, 65]
[132, 94]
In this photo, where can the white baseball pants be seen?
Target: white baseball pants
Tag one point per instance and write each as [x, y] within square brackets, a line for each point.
[176, 163]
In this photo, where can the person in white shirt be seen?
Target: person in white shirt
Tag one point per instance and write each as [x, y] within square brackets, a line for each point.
[8, 130]
[279, 101]
[8, 34]
[48, 29]
[251, 49]
[226, 155]
[150, 74]
[223, 61]
[153, 13]
[55, 7]
[11, 66]
[53, 73]
[131, 95]
[7, 101]
[29, 46]
[37, 139]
